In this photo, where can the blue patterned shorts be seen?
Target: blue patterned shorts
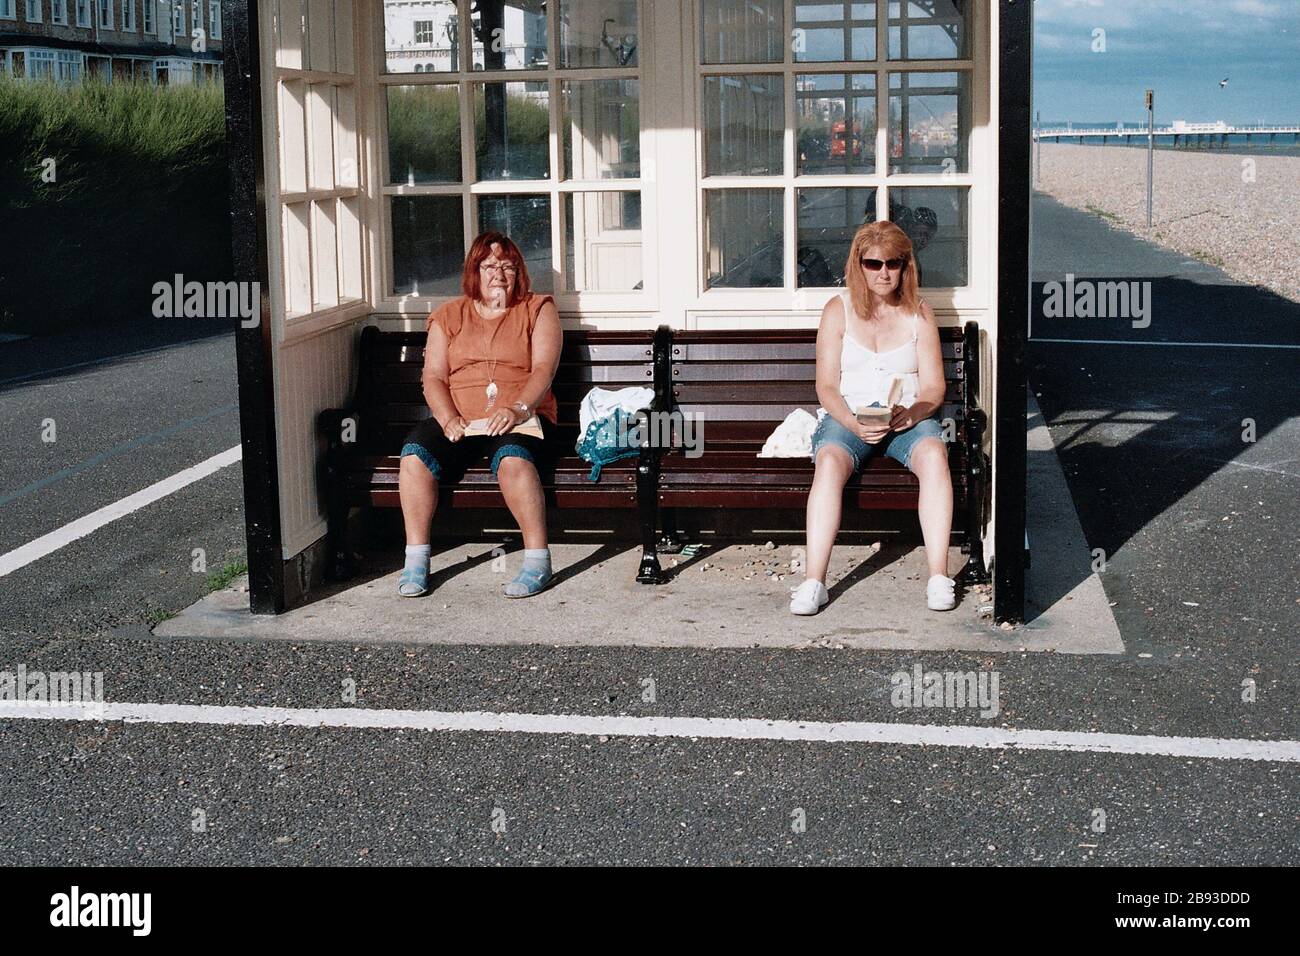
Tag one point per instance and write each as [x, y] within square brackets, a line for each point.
[897, 445]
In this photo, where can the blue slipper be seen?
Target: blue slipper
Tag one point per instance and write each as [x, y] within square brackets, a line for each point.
[414, 582]
[532, 579]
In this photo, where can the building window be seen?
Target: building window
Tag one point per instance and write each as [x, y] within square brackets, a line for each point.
[8, 10]
[424, 32]
[59, 12]
[106, 14]
[552, 156]
[83, 13]
[214, 19]
[178, 21]
[34, 11]
[196, 7]
[69, 67]
[40, 64]
[128, 15]
[146, 16]
[845, 73]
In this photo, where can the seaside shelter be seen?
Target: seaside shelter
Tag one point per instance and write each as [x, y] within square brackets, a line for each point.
[700, 164]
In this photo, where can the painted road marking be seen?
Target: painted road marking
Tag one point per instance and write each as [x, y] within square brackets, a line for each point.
[714, 728]
[1200, 345]
[48, 543]
[120, 449]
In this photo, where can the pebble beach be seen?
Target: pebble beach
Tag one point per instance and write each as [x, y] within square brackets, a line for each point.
[1206, 206]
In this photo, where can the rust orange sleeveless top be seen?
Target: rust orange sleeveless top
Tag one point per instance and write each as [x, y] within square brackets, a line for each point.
[480, 351]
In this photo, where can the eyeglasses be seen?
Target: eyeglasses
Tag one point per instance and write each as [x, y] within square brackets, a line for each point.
[505, 268]
[875, 265]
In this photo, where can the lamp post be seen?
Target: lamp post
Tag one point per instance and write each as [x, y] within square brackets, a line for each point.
[1151, 148]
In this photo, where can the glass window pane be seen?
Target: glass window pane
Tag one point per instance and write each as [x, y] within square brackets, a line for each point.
[423, 134]
[837, 122]
[833, 31]
[935, 219]
[929, 122]
[526, 219]
[828, 218]
[743, 238]
[598, 33]
[601, 123]
[742, 31]
[511, 130]
[602, 241]
[743, 125]
[509, 34]
[421, 37]
[933, 30]
[428, 245]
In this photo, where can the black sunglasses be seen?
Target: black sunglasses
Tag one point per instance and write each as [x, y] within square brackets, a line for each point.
[875, 265]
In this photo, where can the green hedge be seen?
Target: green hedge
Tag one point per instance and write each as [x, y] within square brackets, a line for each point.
[140, 193]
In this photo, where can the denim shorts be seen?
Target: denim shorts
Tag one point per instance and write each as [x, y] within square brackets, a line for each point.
[448, 460]
[897, 445]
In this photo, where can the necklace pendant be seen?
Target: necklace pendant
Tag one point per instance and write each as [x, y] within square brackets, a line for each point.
[491, 394]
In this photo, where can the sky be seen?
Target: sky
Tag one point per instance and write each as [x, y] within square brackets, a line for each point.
[1179, 48]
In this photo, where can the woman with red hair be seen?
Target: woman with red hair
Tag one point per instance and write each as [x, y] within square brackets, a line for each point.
[490, 357]
[876, 339]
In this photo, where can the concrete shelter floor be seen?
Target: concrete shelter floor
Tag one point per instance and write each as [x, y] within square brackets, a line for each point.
[730, 595]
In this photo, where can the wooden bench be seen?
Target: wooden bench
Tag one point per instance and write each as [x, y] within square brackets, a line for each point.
[360, 466]
[742, 384]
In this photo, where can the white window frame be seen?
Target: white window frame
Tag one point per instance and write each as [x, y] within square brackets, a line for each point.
[214, 19]
[196, 15]
[59, 12]
[105, 10]
[178, 21]
[32, 11]
[39, 56]
[128, 15]
[8, 9]
[644, 300]
[148, 21]
[70, 66]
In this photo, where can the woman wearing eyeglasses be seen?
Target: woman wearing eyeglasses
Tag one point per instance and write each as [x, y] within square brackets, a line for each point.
[489, 359]
[874, 333]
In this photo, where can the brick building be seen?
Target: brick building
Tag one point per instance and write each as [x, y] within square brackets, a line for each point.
[152, 41]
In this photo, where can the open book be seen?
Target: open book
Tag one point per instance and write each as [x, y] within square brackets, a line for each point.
[530, 427]
[868, 414]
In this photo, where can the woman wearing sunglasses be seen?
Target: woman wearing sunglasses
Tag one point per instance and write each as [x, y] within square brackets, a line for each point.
[874, 334]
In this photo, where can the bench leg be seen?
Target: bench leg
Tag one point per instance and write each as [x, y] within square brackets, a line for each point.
[647, 494]
[670, 542]
[342, 564]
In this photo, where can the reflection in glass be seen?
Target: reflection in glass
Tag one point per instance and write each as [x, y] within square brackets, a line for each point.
[428, 249]
[743, 125]
[828, 218]
[526, 219]
[837, 122]
[935, 219]
[742, 31]
[825, 32]
[509, 34]
[602, 241]
[934, 30]
[421, 37]
[601, 123]
[423, 134]
[511, 130]
[929, 122]
[598, 33]
[743, 244]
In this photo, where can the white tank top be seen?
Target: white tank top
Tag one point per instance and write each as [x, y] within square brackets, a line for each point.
[865, 375]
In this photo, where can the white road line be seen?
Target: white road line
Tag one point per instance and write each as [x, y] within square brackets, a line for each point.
[723, 728]
[1202, 345]
[47, 543]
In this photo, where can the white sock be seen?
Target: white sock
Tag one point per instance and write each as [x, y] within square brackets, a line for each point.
[417, 556]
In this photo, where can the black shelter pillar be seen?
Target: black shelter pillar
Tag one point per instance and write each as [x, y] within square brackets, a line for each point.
[253, 346]
[1015, 84]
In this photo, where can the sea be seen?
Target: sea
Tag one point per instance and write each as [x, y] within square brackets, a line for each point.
[1283, 144]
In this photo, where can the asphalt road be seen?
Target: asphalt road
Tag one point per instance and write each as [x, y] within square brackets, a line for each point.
[1154, 469]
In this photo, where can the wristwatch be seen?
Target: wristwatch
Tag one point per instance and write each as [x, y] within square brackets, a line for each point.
[523, 410]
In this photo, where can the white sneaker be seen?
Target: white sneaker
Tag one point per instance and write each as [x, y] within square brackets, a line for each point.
[809, 597]
[940, 593]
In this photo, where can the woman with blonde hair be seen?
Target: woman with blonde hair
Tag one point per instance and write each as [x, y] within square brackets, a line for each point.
[873, 338]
